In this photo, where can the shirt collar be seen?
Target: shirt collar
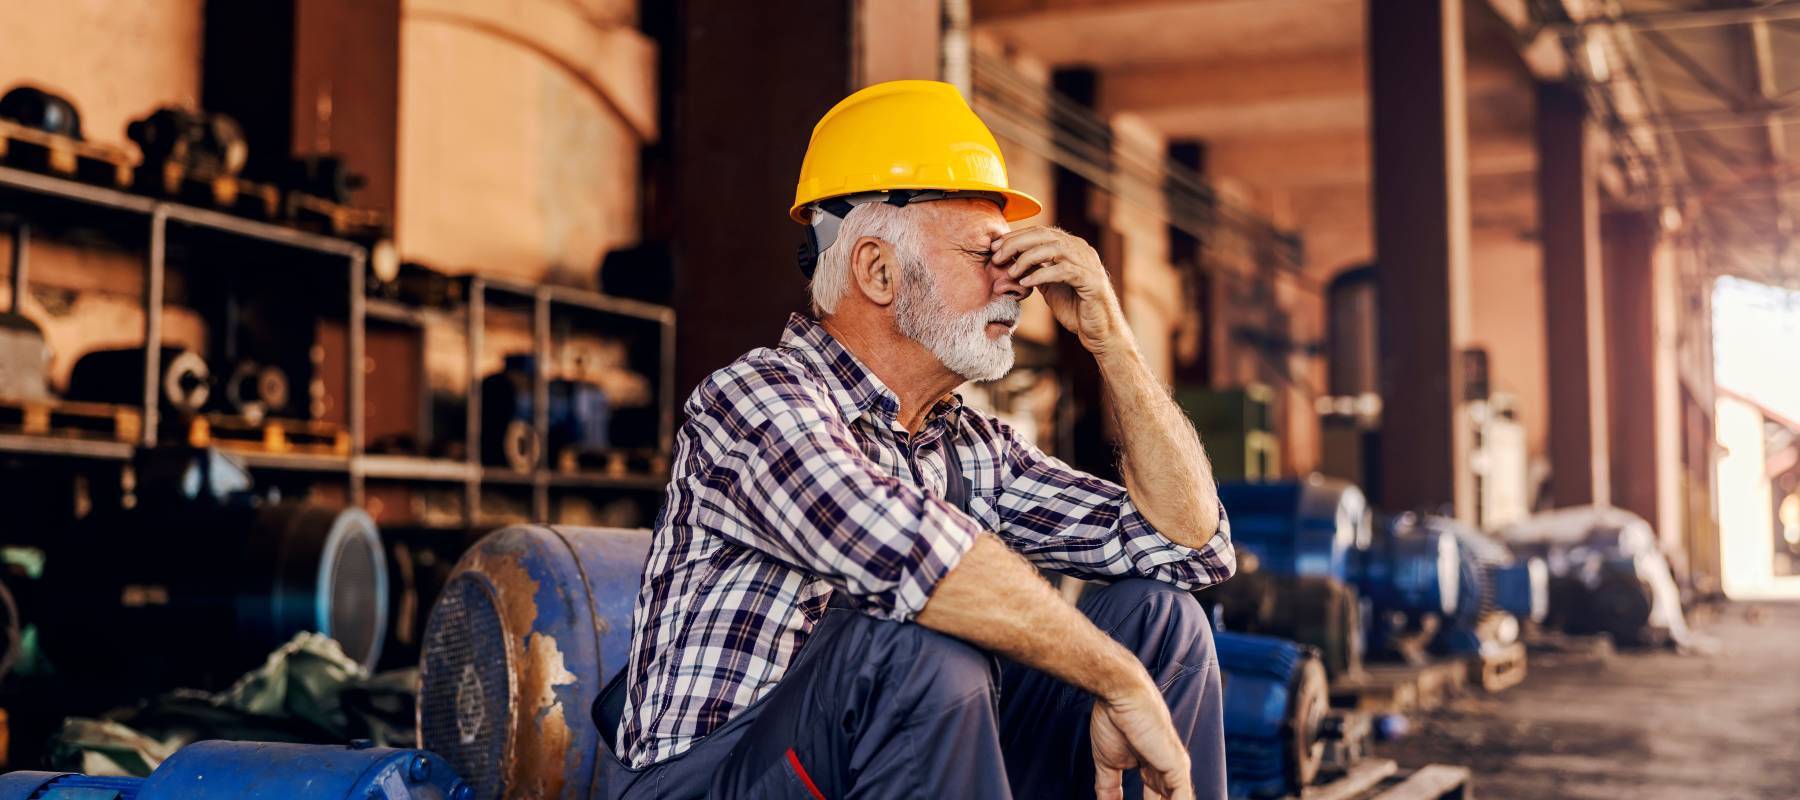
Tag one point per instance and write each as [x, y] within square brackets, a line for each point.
[854, 387]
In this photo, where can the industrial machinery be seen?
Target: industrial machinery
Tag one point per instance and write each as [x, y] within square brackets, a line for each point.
[1607, 574]
[42, 110]
[1298, 543]
[530, 626]
[1276, 701]
[179, 142]
[218, 770]
[117, 376]
[207, 575]
[579, 417]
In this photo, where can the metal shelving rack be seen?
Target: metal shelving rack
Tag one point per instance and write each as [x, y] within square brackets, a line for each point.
[27, 196]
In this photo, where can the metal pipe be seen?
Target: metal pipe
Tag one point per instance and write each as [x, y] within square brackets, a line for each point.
[357, 375]
[477, 312]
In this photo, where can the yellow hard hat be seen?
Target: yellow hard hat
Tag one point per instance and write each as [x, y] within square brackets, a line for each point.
[905, 135]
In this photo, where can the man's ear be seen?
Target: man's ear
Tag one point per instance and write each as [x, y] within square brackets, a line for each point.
[875, 271]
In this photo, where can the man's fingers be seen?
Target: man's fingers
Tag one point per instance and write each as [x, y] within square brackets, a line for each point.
[1053, 273]
[1011, 244]
[1109, 783]
[1032, 259]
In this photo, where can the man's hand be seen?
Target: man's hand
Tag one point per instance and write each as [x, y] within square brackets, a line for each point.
[1134, 731]
[1074, 282]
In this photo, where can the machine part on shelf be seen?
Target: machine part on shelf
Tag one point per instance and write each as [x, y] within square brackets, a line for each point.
[521, 447]
[579, 417]
[1308, 527]
[198, 144]
[1276, 701]
[219, 770]
[1607, 574]
[255, 390]
[117, 376]
[322, 175]
[24, 359]
[211, 584]
[384, 261]
[533, 622]
[41, 110]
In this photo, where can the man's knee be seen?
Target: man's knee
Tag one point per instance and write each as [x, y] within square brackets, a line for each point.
[1160, 622]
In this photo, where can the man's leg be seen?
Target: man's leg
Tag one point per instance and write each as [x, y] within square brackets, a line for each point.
[873, 709]
[1044, 722]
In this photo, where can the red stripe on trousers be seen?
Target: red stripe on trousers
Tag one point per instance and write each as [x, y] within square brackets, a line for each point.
[794, 759]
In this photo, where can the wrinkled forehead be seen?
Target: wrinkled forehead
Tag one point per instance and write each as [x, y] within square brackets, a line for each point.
[966, 222]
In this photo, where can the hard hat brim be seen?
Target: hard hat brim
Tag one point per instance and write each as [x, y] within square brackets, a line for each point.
[1019, 205]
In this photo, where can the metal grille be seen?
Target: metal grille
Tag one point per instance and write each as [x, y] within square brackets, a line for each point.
[355, 605]
[465, 712]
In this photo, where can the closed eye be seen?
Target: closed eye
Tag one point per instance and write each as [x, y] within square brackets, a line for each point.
[978, 256]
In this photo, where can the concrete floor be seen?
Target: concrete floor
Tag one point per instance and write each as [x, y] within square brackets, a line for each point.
[1644, 726]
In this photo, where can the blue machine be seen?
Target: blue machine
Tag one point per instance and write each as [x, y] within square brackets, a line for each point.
[1275, 703]
[1413, 567]
[578, 416]
[257, 770]
[530, 625]
[1310, 527]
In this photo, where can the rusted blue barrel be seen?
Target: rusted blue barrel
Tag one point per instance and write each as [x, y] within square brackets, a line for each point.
[531, 624]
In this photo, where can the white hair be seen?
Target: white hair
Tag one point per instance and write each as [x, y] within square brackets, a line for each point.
[900, 226]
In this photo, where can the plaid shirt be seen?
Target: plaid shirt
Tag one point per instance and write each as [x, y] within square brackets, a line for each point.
[792, 480]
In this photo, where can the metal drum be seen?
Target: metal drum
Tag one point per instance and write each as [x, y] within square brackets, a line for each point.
[1412, 568]
[1276, 700]
[217, 770]
[530, 626]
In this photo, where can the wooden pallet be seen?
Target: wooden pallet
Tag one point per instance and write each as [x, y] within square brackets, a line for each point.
[318, 214]
[40, 151]
[1499, 671]
[224, 192]
[1387, 688]
[269, 435]
[1381, 779]
[59, 418]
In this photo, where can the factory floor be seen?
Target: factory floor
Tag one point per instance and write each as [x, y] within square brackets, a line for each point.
[1658, 725]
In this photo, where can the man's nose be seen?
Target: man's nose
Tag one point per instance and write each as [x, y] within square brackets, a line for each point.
[1006, 286]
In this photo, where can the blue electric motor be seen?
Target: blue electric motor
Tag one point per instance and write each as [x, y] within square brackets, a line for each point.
[1276, 699]
[529, 627]
[1413, 567]
[1308, 527]
[219, 770]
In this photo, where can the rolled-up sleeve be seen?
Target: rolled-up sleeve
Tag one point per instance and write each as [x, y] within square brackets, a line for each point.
[1071, 522]
[808, 496]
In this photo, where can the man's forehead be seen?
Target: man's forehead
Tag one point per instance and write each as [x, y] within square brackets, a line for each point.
[970, 220]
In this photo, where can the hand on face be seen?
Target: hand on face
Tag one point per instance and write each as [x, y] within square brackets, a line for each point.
[1074, 282]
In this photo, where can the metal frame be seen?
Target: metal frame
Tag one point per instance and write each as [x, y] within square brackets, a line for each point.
[358, 467]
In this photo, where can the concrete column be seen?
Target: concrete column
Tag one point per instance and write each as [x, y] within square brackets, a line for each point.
[1574, 315]
[744, 111]
[1419, 132]
[1640, 310]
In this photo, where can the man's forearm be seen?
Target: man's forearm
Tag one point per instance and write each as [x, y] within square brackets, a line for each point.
[1164, 465]
[997, 601]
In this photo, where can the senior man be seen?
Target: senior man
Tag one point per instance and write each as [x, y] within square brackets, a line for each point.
[840, 599]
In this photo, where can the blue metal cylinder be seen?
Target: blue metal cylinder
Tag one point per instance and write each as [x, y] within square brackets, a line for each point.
[1412, 568]
[1522, 589]
[217, 770]
[530, 626]
[1275, 701]
[1305, 527]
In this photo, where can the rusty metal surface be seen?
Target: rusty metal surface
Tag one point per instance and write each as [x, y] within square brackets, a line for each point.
[563, 597]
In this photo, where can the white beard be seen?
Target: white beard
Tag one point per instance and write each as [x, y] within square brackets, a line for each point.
[959, 341]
